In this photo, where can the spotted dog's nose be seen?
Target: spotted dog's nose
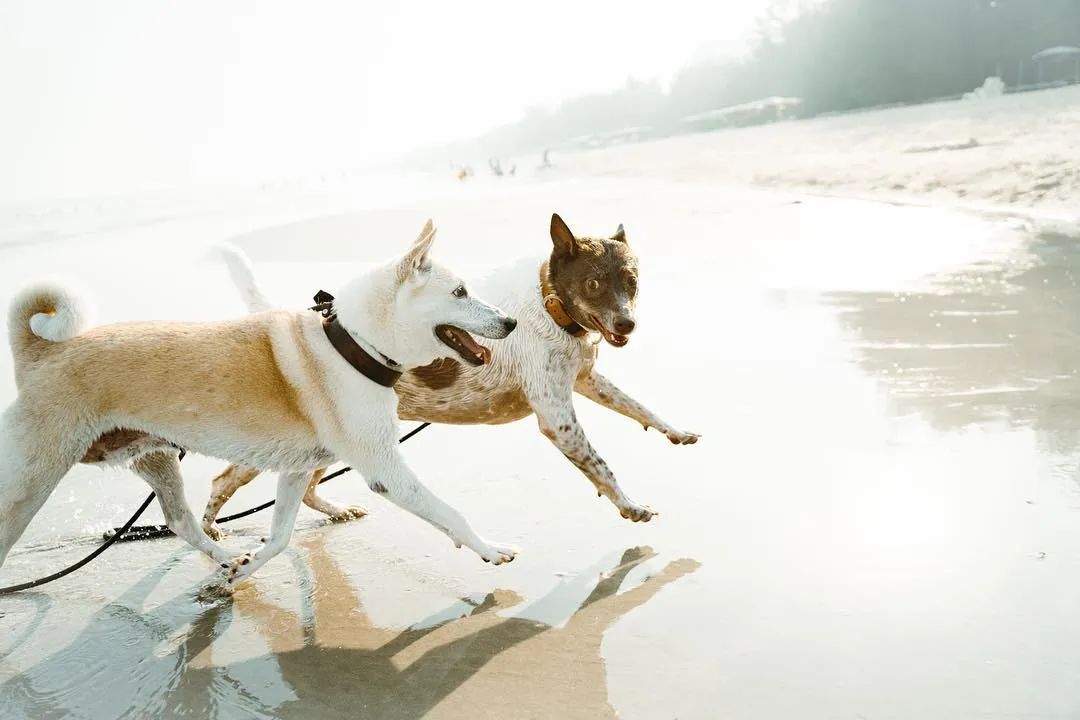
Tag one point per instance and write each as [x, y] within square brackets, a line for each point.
[509, 323]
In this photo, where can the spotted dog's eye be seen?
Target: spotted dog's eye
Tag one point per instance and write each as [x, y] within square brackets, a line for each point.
[592, 285]
[460, 291]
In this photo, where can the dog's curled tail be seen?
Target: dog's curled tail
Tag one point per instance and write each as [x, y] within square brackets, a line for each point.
[44, 311]
[243, 277]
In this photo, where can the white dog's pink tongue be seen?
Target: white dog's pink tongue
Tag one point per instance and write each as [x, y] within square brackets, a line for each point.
[467, 342]
[463, 342]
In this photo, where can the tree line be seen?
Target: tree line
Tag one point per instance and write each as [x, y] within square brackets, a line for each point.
[835, 55]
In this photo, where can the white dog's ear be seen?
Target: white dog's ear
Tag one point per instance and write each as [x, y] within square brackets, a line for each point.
[417, 260]
[620, 234]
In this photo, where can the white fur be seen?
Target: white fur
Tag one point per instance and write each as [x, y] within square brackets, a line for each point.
[243, 277]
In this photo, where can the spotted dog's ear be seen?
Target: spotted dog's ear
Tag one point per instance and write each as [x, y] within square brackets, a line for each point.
[561, 237]
[416, 259]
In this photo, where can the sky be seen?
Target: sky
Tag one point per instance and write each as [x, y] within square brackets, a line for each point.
[113, 96]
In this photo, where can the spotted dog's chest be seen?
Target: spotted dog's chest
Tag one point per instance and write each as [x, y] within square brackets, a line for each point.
[590, 351]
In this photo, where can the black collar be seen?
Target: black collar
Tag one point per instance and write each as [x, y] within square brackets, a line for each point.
[349, 349]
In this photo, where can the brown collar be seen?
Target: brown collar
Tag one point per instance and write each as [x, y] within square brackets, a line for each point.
[555, 308]
[349, 349]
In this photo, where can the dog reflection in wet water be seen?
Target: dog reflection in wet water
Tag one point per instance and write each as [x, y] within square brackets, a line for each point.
[314, 651]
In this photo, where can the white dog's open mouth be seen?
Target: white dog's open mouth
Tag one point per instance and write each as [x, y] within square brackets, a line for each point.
[612, 338]
[463, 344]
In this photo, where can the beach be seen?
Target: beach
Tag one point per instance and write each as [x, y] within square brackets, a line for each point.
[1011, 151]
[880, 520]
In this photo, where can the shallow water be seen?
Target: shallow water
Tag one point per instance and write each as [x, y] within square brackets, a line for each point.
[880, 520]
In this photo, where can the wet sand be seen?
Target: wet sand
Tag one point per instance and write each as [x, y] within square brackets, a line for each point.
[880, 520]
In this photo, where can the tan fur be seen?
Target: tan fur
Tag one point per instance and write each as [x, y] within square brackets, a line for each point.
[124, 369]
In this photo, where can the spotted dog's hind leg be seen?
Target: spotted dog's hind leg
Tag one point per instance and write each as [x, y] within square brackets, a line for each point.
[161, 471]
[222, 488]
[602, 391]
[335, 511]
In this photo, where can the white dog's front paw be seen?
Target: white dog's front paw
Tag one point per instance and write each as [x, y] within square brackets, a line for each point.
[238, 569]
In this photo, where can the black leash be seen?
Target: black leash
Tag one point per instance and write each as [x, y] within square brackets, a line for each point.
[128, 532]
[147, 532]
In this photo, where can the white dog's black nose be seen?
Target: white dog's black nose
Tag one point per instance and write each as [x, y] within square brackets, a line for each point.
[509, 323]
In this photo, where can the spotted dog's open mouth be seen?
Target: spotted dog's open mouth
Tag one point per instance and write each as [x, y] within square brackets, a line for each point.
[613, 339]
[463, 344]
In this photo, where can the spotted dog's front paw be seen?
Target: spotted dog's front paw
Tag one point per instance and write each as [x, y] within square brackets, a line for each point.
[497, 553]
[635, 512]
[214, 531]
[344, 513]
[681, 438]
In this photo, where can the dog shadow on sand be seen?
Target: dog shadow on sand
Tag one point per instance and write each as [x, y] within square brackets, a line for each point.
[330, 661]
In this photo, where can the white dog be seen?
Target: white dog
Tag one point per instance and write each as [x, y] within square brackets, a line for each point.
[285, 391]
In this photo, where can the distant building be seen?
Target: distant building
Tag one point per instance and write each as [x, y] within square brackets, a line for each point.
[1058, 64]
[756, 112]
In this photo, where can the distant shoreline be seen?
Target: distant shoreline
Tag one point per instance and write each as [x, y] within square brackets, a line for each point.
[1009, 152]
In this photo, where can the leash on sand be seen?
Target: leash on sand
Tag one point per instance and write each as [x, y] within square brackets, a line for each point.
[128, 531]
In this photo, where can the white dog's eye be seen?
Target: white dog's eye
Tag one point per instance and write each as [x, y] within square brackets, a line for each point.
[460, 291]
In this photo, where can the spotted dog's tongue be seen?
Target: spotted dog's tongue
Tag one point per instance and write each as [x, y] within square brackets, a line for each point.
[462, 342]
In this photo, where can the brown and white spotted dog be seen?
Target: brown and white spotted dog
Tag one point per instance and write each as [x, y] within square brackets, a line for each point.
[585, 288]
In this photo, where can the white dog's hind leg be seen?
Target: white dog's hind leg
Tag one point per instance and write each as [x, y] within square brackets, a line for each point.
[32, 462]
[161, 471]
[394, 480]
[335, 511]
[290, 490]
